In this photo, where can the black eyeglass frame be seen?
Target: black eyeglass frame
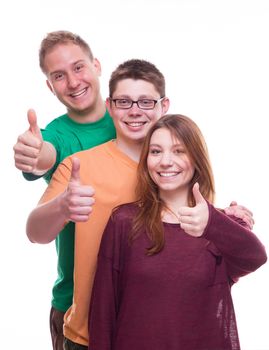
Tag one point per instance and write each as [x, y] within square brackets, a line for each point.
[137, 102]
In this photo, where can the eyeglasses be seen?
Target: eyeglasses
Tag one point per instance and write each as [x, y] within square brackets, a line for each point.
[126, 103]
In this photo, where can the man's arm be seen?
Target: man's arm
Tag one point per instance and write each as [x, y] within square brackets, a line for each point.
[31, 153]
[65, 199]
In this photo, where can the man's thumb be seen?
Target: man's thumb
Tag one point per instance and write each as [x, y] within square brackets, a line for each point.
[32, 119]
[197, 194]
[75, 177]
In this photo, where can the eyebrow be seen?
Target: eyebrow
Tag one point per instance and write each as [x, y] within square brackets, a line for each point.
[154, 144]
[62, 70]
[148, 97]
[174, 145]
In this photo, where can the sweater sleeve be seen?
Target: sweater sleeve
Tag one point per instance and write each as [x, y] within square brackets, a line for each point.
[240, 248]
[103, 306]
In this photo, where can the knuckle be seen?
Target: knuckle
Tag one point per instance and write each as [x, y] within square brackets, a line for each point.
[196, 221]
[39, 144]
[36, 153]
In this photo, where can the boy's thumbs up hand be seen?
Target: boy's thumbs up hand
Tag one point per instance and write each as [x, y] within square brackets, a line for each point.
[78, 199]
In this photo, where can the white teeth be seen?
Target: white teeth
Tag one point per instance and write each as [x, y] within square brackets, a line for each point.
[168, 174]
[135, 124]
[79, 93]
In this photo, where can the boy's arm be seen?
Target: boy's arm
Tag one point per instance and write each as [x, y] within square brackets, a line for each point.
[31, 153]
[65, 199]
[240, 212]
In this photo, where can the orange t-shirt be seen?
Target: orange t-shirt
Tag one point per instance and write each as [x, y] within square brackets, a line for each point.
[112, 174]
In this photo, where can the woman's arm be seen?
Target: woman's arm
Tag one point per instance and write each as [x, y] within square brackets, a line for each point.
[241, 249]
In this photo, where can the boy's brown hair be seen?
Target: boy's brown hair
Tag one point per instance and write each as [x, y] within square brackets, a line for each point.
[138, 70]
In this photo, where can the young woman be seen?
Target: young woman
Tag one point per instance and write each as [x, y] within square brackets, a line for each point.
[167, 262]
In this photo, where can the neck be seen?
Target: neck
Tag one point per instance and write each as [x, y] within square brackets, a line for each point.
[172, 204]
[132, 149]
[175, 199]
[170, 216]
[89, 115]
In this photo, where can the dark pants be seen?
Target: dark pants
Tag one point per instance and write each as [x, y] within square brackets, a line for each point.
[69, 345]
[56, 328]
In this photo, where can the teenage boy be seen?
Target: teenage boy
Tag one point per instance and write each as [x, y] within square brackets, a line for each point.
[72, 75]
[104, 176]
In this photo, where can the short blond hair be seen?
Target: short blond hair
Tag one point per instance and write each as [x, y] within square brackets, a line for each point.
[61, 37]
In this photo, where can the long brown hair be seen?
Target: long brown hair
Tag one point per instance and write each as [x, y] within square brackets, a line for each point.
[149, 201]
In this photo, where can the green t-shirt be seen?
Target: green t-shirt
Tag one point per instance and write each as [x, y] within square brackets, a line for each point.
[69, 137]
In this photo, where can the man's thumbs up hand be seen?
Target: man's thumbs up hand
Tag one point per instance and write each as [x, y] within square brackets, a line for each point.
[34, 128]
[28, 147]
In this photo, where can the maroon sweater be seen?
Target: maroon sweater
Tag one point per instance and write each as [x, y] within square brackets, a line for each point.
[178, 299]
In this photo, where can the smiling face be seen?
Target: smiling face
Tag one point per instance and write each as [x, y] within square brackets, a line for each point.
[168, 163]
[133, 124]
[74, 78]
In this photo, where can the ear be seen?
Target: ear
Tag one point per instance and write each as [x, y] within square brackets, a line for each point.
[50, 87]
[97, 66]
[165, 104]
[108, 106]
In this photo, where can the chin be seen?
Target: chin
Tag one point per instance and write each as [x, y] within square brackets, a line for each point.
[167, 187]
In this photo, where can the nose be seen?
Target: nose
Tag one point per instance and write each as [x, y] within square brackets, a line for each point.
[135, 110]
[72, 80]
[166, 160]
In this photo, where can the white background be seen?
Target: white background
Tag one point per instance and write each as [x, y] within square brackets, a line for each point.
[215, 57]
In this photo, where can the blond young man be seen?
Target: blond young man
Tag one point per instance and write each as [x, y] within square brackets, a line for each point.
[72, 74]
